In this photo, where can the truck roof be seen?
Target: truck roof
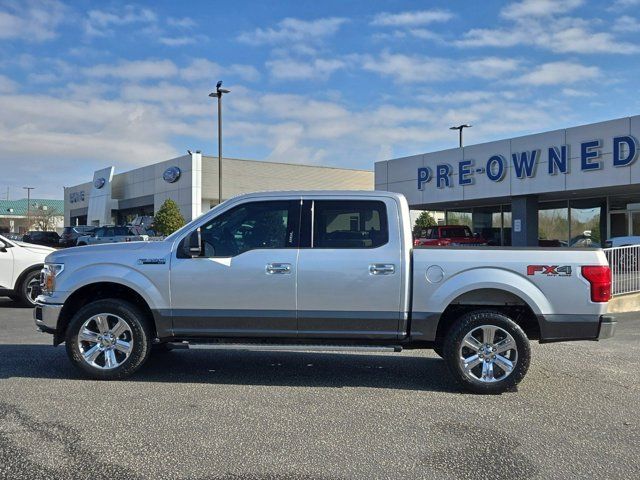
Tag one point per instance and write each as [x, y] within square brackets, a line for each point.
[318, 193]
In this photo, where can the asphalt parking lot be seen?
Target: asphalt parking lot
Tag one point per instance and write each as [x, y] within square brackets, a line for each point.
[280, 415]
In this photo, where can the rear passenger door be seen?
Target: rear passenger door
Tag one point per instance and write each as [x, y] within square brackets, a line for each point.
[349, 274]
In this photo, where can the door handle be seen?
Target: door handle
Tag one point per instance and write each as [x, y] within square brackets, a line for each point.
[278, 268]
[382, 269]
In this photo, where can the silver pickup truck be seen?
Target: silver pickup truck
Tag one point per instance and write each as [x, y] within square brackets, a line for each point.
[312, 270]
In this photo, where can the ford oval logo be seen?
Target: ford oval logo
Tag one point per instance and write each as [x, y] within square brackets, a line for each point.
[171, 174]
[99, 183]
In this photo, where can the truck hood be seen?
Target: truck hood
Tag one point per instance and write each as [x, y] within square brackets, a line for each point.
[111, 251]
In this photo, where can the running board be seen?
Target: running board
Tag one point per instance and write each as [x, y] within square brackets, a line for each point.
[285, 347]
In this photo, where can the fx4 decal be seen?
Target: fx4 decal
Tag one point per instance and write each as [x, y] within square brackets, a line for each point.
[550, 270]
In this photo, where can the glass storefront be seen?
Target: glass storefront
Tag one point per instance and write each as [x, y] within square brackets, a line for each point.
[564, 223]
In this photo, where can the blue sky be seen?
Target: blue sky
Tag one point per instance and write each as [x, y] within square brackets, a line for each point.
[87, 84]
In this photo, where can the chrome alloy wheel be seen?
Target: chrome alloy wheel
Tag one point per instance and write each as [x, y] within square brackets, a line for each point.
[105, 341]
[33, 289]
[488, 354]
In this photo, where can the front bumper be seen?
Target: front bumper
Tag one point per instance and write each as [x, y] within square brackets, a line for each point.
[607, 327]
[46, 316]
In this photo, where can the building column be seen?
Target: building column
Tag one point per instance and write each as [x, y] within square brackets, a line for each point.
[524, 221]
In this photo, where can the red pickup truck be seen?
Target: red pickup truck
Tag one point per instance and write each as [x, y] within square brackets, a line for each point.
[449, 235]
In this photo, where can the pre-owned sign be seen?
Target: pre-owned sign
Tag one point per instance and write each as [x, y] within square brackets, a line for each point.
[524, 164]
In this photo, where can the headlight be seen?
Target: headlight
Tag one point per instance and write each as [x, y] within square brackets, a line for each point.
[48, 277]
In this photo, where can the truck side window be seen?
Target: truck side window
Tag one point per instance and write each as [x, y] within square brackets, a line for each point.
[350, 224]
[252, 226]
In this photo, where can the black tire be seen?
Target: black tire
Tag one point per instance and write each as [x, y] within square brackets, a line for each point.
[438, 350]
[25, 290]
[469, 323]
[140, 332]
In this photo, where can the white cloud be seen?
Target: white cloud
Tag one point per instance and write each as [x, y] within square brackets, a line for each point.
[31, 20]
[203, 69]
[491, 67]
[177, 41]
[408, 68]
[184, 22]
[622, 4]
[7, 85]
[555, 73]
[411, 19]
[419, 69]
[625, 23]
[134, 70]
[293, 30]
[572, 92]
[101, 22]
[316, 69]
[538, 8]
[537, 23]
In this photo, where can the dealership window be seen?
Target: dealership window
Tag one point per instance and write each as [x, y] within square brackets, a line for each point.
[586, 222]
[553, 224]
[459, 217]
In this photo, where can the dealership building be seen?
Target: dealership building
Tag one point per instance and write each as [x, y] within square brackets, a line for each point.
[571, 187]
[192, 182]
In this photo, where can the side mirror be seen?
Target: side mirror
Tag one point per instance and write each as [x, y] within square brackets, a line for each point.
[193, 244]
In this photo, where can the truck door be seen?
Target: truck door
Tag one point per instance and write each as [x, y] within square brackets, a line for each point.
[350, 277]
[244, 284]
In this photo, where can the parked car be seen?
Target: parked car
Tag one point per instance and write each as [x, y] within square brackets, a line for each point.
[449, 235]
[20, 265]
[622, 241]
[320, 270]
[111, 234]
[48, 239]
[70, 235]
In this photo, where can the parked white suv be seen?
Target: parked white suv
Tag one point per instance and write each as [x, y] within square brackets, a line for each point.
[20, 266]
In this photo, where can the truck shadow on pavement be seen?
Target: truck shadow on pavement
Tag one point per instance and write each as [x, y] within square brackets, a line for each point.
[235, 367]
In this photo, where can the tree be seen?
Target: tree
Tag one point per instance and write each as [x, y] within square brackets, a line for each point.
[168, 218]
[424, 221]
[44, 218]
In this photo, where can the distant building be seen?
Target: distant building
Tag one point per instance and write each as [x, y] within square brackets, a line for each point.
[192, 182]
[571, 187]
[41, 214]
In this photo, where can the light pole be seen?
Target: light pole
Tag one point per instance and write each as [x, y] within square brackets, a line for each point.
[218, 94]
[460, 128]
[28, 189]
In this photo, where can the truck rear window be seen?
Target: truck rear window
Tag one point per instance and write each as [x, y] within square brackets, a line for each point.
[350, 224]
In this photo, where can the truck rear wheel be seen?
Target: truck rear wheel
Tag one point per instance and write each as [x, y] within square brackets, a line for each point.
[108, 339]
[487, 352]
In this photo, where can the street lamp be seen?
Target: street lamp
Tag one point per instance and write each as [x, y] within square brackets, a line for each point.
[28, 189]
[218, 94]
[460, 128]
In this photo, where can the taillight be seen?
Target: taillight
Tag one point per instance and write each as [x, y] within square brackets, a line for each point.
[599, 277]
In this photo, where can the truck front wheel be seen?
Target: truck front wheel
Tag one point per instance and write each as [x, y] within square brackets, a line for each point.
[487, 352]
[108, 339]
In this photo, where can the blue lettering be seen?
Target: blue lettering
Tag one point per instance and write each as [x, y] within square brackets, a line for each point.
[443, 172]
[631, 153]
[424, 175]
[588, 151]
[558, 160]
[526, 164]
[464, 170]
[496, 168]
